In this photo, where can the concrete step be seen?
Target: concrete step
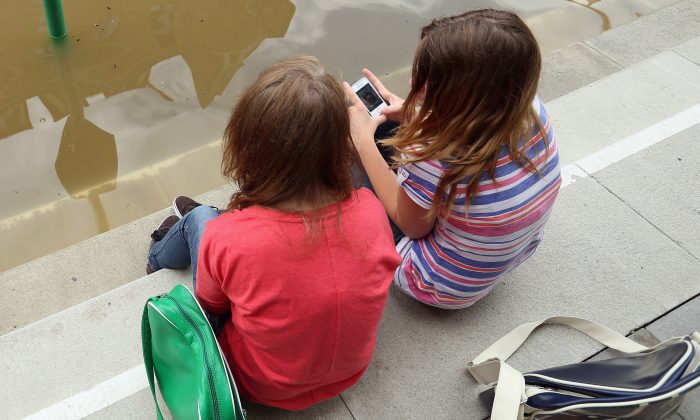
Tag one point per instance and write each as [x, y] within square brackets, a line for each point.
[677, 323]
[649, 35]
[585, 62]
[65, 278]
[602, 260]
[92, 362]
[73, 350]
[658, 88]
[609, 251]
[627, 102]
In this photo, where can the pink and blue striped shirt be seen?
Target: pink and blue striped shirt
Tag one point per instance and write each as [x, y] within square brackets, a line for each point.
[470, 251]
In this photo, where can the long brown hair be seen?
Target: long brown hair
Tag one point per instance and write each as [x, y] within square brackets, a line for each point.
[289, 137]
[478, 72]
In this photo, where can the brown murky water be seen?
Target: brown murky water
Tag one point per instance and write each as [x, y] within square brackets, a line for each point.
[127, 111]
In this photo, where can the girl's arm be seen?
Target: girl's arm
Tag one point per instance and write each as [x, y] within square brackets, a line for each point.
[207, 288]
[408, 216]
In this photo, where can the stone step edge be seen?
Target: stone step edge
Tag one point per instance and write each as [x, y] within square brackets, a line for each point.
[77, 280]
[207, 196]
[83, 270]
[117, 377]
[211, 196]
[103, 330]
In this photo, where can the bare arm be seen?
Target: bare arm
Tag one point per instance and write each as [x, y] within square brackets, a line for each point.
[408, 216]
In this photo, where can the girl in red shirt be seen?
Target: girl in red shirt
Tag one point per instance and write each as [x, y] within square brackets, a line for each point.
[301, 260]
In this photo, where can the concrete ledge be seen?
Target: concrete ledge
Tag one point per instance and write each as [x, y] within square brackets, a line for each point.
[690, 50]
[620, 105]
[649, 35]
[102, 263]
[619, 258]
[601, 259]
[140, 405]
[572, 68]
[77, 348]
[661, 193]
[65, 278]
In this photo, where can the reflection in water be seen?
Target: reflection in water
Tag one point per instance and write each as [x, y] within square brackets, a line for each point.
[87, 155]
[112, 49]
[130, 112]
[87, 158]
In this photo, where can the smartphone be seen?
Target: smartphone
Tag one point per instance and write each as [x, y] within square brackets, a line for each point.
[369, 96]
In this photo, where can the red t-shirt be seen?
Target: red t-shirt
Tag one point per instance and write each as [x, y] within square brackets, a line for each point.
[304, 314]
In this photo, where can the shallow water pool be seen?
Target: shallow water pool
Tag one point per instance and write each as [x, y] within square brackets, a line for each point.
[127, 111]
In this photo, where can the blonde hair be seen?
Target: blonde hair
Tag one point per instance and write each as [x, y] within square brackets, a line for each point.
[479, 73]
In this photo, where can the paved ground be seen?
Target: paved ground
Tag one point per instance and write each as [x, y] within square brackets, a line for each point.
[622, 248]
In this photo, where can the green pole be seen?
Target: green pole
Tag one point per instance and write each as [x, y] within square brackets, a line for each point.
[54, 17]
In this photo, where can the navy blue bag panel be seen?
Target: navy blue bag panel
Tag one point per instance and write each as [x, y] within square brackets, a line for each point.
[659, 410]
[552, 400]
[620, 376]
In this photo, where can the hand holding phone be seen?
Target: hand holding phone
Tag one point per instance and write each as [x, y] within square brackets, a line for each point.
[363, 124]
[369, 96]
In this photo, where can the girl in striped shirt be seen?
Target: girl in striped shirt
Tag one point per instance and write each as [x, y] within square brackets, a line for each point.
[478, 167]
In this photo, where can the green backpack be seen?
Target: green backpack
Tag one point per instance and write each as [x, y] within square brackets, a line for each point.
[180, 348]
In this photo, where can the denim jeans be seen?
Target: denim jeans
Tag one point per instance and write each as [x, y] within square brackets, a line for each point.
[360, 177]
[180, 246]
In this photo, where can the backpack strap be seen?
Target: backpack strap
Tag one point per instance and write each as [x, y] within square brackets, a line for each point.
[148, 355]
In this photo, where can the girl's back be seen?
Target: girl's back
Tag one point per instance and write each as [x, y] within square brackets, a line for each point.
[477, 163]
[471, 249]
[304, 315]
[301, 261]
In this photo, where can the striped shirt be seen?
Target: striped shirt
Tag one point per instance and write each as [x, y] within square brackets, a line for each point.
[469, 251]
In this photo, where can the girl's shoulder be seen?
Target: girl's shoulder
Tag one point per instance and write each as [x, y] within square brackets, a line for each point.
[537, 102]
[366, 201]
[424, 171]
[434, 166]
[541, 111]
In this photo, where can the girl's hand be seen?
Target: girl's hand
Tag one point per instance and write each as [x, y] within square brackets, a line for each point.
[362, 125]
[393, 111]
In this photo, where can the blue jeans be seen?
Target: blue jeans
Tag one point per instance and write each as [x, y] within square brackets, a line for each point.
[180, 246]
[360, 178]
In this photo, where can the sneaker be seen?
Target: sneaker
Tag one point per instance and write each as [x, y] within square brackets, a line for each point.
[159, 234]
[183, 205]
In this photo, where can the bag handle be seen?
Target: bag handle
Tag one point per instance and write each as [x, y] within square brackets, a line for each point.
[490, 366]
[509, 394]
[508, 344]
[148, 355]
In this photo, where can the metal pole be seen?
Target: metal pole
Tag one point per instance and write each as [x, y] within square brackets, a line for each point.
[54, 17]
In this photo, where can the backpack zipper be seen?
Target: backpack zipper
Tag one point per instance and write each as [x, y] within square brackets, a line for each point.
[210, 377]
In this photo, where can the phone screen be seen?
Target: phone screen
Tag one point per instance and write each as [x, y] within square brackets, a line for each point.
[369, 97]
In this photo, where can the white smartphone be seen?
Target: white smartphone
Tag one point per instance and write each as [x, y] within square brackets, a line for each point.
[369, 96]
